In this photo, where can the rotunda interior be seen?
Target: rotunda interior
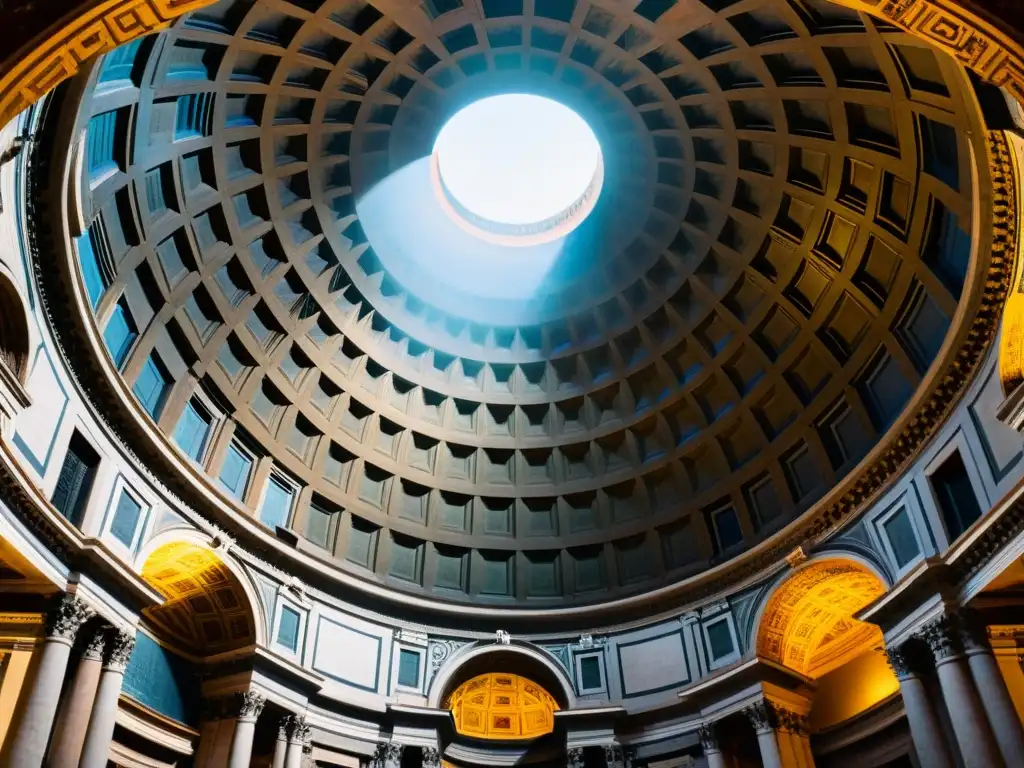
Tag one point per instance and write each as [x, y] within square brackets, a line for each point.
[511, 382]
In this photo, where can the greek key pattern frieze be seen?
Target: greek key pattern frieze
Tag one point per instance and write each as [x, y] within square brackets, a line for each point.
[97, 31]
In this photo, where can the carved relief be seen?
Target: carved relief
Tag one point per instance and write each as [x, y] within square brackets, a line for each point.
[119, 647]
[65, 617]
[251, 704]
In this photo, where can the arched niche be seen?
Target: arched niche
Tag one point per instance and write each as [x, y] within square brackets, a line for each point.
[14, 332]
[516, 659]
[500, 706]
[207, 608]
[808, 623]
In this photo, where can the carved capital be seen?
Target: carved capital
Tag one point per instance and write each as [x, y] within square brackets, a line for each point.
[899, 662]
[791, 721]
[388, 755]
[66, 616]
[708, 737]
[284, 726]
[762, 716]
[974, 635]
[119, 647]
[250, 704]
[942, 638]
[93, 650]
[574, 758]
[431, 757]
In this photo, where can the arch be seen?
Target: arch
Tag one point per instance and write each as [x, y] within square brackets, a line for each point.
[14, 332]
[515, 658]
[807, 624]
[502, 707]
[210, 607]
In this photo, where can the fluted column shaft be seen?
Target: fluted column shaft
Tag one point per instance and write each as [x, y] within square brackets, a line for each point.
[31, 732]
[96, 749]
[994, 695]
[73, 720]
[763, 717]
[925, 731]
[281, 745]
[970, 723]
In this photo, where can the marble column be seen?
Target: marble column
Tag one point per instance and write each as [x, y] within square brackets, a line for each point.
[925, 732]
[281, 745]
[995, 697]
[37, 706]
[970, 723]
[250, 705]
[709, 743]
[117, 652]
[69, 733]
[298, 734]
[762, 716]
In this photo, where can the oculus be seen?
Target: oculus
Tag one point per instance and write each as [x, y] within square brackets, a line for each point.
[517, 169]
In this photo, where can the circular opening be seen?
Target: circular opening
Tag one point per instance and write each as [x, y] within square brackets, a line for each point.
[517, 168]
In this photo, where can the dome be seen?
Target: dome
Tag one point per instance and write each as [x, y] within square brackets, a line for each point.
[776, 263]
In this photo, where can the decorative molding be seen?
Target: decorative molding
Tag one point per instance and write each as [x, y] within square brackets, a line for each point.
[97, 30]
[65, 617]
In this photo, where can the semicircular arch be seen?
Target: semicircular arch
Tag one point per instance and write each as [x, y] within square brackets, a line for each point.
[515, 658]
[807, 624]
[210, 606]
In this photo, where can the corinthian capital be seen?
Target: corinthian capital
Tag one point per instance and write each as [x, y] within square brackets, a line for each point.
[66, 616]
[250, 704]
[431, 757]
[574, 758]
[942, 637]
[708, 737]
[762, 716]
[119, 647]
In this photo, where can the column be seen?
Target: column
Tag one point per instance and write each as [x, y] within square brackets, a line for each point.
[613, 756]
[762, 716]
[970, 723]
[281, 745]
[31, 732]
[69, 733]
[249, 708]
[925, 732]
[709, 743]
[793, 738]
[117, 652]
[388, 755]
[297, 736]
[995, 697]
